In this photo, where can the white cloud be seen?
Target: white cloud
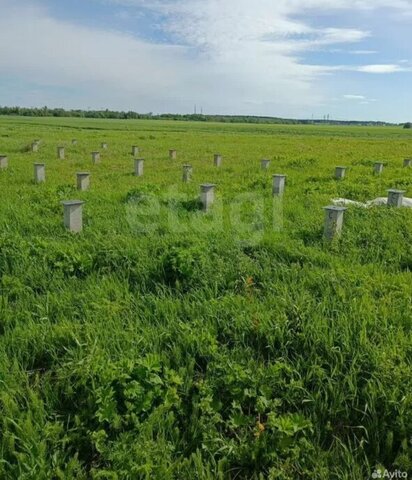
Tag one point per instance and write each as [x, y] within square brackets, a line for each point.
[227, 55]
[354, 97]
[370, 69]
[390, 68]
[351, 52]
[360, 99]
[363, 52]
[105, 65]
[217, 26]
[234, 68]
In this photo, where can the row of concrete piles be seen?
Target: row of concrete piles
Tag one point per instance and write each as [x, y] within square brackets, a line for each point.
[83, 178]
[135, 153]
[340, 172]
[95, 155]
[333, 214]
[73, 209]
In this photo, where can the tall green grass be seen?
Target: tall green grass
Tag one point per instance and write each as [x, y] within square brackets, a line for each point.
[168, 346]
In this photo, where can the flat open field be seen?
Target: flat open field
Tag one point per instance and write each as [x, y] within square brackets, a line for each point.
[165, 343]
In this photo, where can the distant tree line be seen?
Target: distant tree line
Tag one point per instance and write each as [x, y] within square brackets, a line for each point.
[130, 115]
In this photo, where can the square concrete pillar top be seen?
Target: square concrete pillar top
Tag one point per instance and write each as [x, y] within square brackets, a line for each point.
[72, 203]
[340, 167]
[186, 165]
[207, 186]
[398, 192]
[95, 153]
[335, 208]
[39, 164]
[83, 174]
[279, 175]
[3, 156]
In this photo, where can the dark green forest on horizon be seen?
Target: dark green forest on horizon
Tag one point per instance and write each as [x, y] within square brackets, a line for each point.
[131, 115]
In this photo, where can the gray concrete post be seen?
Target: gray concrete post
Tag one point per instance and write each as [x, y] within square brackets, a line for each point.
[60, 153]
[395, 198]
[340, 173]
[83, 181]
[135, 150]
[407, 162]
[73, 215]
[218, 160]
[207, 195]
[34, 147]
[264, 164]
[278, 186]
[138, 167]
[39, 172]
[96, 157]
[172, 154]
[333, 221]
[4, 162]
[187, 173]
[378, 168]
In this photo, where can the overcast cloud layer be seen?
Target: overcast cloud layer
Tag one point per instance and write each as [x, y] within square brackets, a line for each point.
[294, 58]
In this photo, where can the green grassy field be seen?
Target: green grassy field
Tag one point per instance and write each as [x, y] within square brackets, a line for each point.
[165, 343]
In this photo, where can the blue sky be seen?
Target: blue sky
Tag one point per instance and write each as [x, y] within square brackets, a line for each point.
[351, 59]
